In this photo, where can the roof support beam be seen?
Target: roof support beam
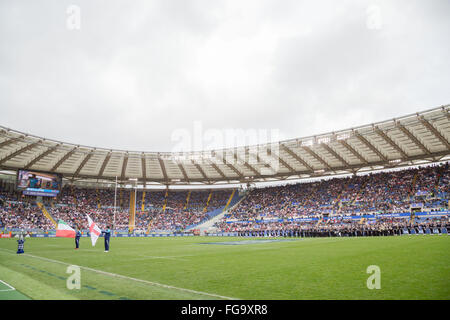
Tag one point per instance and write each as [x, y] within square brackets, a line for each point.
[42, 155]
[21, 150]
[279, 159]
[83, 163]
[144, 169]
[353, 151]
[200, 170]
[9, 141]
[438, 135]
[335, 154]
[163, 169]
[219, 171]
[391, 142]
[284, 163]
[413, 138]
[266, 165]
[370, 146]
[105, 162]
[317, 157]
[61, 161]
[297, 157]
[183, 171]
[124, 166]
[229, 165]
[246, 164]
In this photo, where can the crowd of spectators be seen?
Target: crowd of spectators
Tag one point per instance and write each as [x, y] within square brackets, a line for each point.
[72, 205]
[23, 215]
[384, 192]
[179, 209]
[374, 193]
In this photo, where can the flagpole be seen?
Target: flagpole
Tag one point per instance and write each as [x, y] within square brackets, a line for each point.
[135, 200]
[115, 200]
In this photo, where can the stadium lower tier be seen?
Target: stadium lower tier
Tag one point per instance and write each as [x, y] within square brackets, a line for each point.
[171, 210]
[384, 192]
[367, 199]
[376, 227]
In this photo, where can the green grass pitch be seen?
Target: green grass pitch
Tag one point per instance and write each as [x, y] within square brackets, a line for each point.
[412, 267]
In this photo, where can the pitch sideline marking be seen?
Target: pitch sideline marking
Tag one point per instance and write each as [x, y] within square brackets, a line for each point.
[11, 288]
[130, 278]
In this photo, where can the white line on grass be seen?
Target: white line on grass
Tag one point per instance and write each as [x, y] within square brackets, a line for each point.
[155, 257]
[11, 288]
[130, 278]
[180, 257]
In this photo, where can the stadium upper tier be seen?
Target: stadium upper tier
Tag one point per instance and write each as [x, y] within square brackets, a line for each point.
[419, 138]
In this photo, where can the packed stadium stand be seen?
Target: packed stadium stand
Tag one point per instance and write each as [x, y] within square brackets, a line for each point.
[393, 173]
[327, 202]
[158, 211]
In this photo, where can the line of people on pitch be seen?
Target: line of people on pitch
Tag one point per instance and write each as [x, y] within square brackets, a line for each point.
[346, 232]
[106, 234]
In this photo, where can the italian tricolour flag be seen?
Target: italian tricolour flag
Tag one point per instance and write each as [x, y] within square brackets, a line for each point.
[64, 230]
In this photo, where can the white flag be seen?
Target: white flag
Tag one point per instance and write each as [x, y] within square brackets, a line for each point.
[94, 230]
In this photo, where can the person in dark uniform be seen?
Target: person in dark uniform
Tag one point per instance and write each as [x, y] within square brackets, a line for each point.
[77, 239]
[20, 244]
[107, 235]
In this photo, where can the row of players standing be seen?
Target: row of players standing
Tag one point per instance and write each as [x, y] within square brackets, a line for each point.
[346, 232]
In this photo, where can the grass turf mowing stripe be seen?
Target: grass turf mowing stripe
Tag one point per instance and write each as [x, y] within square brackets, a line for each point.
[33, 277]
[127, 278]
[29, 287]
[107, 293]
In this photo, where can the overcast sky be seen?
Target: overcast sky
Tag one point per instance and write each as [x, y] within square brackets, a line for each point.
[136, 74]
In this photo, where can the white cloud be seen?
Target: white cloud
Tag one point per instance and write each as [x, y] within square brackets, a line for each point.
[137, 71]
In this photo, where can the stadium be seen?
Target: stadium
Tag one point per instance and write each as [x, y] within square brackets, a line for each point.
[359, 212]
[392, 193]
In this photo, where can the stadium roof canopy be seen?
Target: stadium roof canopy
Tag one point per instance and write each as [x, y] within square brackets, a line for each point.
[414, 139]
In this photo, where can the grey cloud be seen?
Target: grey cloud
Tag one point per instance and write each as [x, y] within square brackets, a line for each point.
[137, 71]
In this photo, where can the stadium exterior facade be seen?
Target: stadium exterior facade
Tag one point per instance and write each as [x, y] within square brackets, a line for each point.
[414, 139]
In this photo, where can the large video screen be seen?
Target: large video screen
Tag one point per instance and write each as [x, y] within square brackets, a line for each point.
[35, 183]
